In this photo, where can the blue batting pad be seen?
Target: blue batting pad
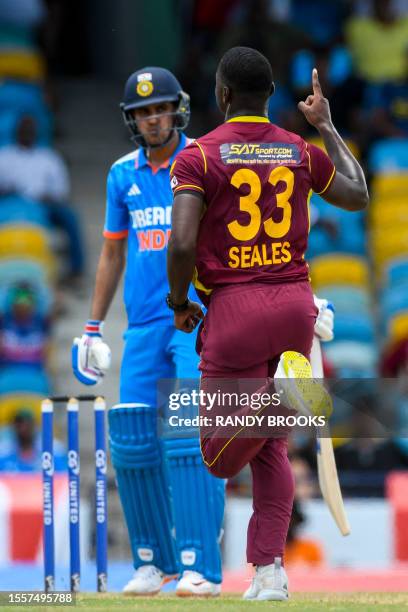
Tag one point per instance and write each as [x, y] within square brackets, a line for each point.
[142, 481]
[198, 502]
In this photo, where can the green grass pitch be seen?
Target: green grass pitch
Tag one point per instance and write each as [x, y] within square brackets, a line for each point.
[310, 602]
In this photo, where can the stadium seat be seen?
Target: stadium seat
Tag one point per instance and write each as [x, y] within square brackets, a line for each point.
[388, 213]
[396, 272]
[15, 36]
[354, 327]
[388, 246]
[394, 299]
[318, 142]
[22, 97]
[30, 243]
[24, 270]
[356, 356]
[7, 127]
[349, 236]
[17, 379]
[397, 327]
[25, 64]
[19, 241]
[15, 209]
[347, 299]
[319, 243]
[389, 156]
[339, 268]
[389, 185]
[12, 403]
[381, 239]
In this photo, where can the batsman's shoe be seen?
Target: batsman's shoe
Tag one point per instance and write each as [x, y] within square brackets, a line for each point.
[297, 387]
[269, 583]
[194, 584]
[147, 580]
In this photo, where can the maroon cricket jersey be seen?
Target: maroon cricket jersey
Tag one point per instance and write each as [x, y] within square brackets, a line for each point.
[257, 180]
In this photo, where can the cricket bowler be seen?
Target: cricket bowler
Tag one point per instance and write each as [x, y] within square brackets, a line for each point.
[240, 227]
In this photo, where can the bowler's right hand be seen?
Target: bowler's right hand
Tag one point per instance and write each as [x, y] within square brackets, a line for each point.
[91, 357]
[187, 320]
[316, 107]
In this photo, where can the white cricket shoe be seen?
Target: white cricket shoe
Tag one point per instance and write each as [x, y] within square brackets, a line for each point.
[298, 389]
[194, 584]
[147, 580]
[270, 583]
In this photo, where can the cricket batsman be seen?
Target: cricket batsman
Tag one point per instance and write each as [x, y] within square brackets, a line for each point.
[160, 482]
[241, 219]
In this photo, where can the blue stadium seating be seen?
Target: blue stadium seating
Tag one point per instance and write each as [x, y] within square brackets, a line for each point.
[347, 300]
[396, 273]
[20, 96]
[22, 270]
[358, 328]
[355, 357]
[350, 237]
[388, 156]
[17, 209]
[394, 300]
[16, 378]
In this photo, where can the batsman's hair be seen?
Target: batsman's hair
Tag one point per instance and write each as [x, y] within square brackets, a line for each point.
[246, 70]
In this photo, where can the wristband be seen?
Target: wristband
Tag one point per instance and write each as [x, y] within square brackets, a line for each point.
[93, 328]
[177, 307]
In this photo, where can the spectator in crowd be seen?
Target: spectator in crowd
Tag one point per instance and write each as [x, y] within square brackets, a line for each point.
[22, 13]
[369, 454]
[389, 104]
[254, 23]
[300, 550]
[378, 43]
[24, 332]
[321, 19]
[343, 89]
[395, 359]
[20, 23]
[305, 480]
[277, 40]
[394, 364]
[21, 446]
[40, 173]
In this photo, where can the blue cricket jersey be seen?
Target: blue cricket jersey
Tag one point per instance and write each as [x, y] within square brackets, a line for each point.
[139, 202]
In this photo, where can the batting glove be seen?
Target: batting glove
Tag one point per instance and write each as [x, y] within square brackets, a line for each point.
[91, 357]
[325, 320]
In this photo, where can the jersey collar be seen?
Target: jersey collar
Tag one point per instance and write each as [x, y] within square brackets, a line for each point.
[143, 161]
[248, 119]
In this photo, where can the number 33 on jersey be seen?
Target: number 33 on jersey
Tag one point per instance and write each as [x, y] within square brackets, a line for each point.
[258, 179]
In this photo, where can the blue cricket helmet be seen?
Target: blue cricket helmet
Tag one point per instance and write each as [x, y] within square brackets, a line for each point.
[152, 85]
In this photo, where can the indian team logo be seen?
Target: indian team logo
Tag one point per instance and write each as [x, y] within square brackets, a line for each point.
[144, 88]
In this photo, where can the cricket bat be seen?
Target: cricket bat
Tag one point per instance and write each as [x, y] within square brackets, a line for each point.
[326, 463]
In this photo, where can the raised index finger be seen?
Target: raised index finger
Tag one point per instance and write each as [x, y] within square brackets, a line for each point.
[317, 90]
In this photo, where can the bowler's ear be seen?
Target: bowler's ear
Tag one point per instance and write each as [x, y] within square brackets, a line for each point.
[272, 89]
[226, 95]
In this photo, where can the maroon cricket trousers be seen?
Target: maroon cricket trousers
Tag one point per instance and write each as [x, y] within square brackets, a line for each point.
[245, 330]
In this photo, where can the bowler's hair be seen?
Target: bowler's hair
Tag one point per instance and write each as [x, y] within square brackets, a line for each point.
[246, 70]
